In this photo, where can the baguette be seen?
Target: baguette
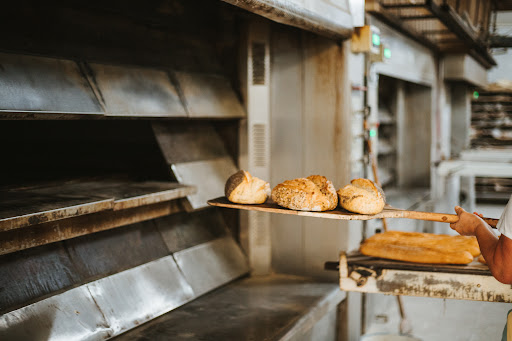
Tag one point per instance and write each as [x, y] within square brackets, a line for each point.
[436, 241]
[415, 254]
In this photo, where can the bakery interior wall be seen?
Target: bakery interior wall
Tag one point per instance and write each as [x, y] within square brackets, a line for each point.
[312, 110]
[310, 127]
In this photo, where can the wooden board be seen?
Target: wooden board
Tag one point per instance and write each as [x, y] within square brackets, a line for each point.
[341, 214]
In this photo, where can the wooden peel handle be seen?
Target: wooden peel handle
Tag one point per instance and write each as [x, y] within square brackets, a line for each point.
[442, 217]
[491, 221]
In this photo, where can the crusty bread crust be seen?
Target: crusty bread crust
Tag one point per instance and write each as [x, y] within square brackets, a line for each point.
[242, 188]
[362, 196]
[314, 193]
[415, 254]
[441, 242]
[234, 181]
[421, 247]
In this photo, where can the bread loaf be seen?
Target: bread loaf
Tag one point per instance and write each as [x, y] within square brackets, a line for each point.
[415, 254]
[314, 193]
[421, 247]
[362, 196]
[242, 188]
[442, 242]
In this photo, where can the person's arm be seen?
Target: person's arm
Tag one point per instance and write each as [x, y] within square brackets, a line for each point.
[496, 251]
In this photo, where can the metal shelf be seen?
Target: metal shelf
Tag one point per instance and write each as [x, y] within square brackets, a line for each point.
[24, 207]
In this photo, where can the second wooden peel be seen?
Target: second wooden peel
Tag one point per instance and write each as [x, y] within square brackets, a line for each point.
[341, 214]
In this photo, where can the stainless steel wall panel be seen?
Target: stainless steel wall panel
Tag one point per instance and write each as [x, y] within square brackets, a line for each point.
[101, 309]
[209, 96]
[410, 61]
[132, 297]
[72, 315]
[138, 92]
[182, 142]
[105, 253]
[311, 134]
[210, 265]
[329, 18]
[38, 84]
[184, 230]
[28, 275]
[208, 176]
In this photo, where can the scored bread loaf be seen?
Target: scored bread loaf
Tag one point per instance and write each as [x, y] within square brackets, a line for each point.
[421, 247]
[314, 193]
[442, 242]
[415, 254]
[243, 188]
[362, 196]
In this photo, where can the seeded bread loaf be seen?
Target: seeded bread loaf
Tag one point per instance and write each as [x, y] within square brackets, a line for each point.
[243, 188]
[362, 196]
[314, 193]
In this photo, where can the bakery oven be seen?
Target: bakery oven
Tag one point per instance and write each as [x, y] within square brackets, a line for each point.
[119, 120]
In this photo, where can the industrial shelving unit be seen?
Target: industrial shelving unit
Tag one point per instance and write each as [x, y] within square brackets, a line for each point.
[491, 132]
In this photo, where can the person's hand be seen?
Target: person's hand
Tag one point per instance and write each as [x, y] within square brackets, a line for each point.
[467, 223]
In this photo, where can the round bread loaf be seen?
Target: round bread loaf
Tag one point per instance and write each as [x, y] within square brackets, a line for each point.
[362, 196]
[243, 188]
[314, 193]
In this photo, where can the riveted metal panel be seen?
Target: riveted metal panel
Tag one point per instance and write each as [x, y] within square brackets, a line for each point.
[38, 84]
[210, 265]
[139, 92]
[132, 297]
[209, 95]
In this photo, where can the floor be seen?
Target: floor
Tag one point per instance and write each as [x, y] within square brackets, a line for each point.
[432, 319]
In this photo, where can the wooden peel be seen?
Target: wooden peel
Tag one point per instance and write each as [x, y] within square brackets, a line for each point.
[341, 214]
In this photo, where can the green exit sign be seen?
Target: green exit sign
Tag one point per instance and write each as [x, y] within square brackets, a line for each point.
[476, 95]
[375, 39]
[387, 53]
